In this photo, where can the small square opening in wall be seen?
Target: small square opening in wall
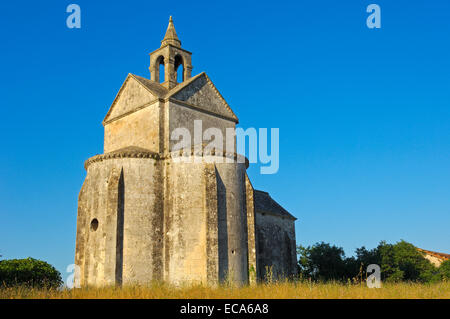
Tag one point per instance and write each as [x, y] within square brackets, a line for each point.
[94, 224]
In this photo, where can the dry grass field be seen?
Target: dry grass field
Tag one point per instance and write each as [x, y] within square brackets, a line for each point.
[303, 290]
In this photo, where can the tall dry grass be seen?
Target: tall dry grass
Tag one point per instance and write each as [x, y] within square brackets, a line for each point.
[286, 290]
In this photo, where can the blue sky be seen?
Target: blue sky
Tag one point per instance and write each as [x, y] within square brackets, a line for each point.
[364, 115]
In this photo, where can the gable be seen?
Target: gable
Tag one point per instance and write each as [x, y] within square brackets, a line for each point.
[132, 95]
[201, 92]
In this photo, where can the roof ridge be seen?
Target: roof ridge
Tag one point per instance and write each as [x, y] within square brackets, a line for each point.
[116, 98]
[151, 86]
[220, 96]
[150, 82]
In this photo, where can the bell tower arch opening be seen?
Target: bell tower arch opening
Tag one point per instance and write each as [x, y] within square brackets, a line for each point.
[160, 72]
[179, 68]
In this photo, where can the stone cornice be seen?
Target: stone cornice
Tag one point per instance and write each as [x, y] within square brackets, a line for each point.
[170, 45]
[136, 152]
[204, 152]
[125, 153]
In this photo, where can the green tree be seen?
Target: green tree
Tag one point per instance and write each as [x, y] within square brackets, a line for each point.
[322, 262]
[390, 270]
[357, 266]
[402, 261]
[367, 257]
[399, 262]
[444, 270]
[29, 272]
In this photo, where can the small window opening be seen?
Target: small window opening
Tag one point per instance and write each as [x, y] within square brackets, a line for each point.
[94, 224]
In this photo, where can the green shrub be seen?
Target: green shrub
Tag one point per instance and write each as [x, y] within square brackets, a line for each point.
[444, 270]
[398, 262]
[28, 272]
[402, 261]
[322, 261]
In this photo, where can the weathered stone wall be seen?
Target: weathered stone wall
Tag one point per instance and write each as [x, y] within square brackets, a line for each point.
[202, 94]
[232, 222]
[205, 229]
[162, 219]
[251, 231]
[434, 260]
[182, 116]
[124, 195]
[275, 236]
[140, 128]
[186, 223]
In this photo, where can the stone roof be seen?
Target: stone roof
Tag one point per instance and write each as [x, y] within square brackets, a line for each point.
[264, 203]
[163, 93]
[154, 87]
[159, 90]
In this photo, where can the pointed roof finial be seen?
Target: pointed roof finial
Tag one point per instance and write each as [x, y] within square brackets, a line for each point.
[171, 35]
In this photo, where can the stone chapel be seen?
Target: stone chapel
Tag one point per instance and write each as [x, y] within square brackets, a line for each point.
[145, 216]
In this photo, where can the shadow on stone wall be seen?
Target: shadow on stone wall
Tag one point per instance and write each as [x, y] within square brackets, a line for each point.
[223, 228]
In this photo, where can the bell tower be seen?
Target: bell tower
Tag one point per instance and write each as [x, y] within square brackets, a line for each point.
[172, 57]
